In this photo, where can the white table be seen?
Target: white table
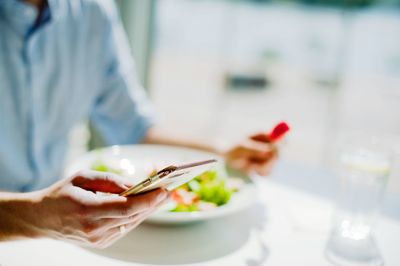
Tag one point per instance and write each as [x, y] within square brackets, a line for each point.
[288, 225]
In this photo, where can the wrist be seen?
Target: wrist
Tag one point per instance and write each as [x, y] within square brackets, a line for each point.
[18, 213]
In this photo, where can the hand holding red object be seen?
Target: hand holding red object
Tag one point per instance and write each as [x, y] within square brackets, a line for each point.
[258, 153]
[277, 133]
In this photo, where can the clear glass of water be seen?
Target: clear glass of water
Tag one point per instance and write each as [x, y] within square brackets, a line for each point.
[364, 167]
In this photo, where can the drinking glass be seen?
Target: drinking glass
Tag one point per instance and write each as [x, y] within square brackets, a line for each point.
[364, 166]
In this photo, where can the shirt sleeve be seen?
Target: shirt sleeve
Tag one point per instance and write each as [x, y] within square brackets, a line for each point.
[122, 113]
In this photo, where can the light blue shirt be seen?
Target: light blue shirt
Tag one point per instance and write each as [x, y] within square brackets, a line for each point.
[73, 65]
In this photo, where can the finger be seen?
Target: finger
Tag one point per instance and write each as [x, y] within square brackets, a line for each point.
[107, 223]
[257, 146]
[76, 241]
[265, 168]
[88, 200]
[110, 238]
[253, 149]
[249, 165]
[100, 181]
[144, 216]
[103, 227]
[273, 154]
[263, 137]
[133, 205]
[239, 163]
[114, 234]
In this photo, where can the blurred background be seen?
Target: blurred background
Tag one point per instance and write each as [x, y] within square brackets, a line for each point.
[221, 69]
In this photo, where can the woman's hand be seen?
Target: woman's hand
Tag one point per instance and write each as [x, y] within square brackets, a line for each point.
[71, 210]
[253, 155]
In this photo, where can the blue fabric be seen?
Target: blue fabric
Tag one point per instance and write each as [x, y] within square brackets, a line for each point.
[71, 65]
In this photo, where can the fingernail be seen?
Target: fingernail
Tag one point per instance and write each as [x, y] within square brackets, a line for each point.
[161, 196]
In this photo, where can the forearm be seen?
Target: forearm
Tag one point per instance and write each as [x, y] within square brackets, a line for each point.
[16, 210]
[157, 136]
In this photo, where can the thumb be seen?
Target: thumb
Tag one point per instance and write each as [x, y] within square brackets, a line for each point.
[100, 181]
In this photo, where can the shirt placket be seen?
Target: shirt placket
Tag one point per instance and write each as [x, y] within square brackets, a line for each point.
[35, 92]
[32, 64]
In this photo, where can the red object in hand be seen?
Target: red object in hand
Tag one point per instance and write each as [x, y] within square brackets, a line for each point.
[276, 134]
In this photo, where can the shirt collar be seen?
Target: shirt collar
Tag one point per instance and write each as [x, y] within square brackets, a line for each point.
[22, 16]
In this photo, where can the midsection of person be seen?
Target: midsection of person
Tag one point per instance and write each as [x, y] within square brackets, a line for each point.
[51, 77]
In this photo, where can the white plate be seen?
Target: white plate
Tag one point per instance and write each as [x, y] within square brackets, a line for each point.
[139, 160]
